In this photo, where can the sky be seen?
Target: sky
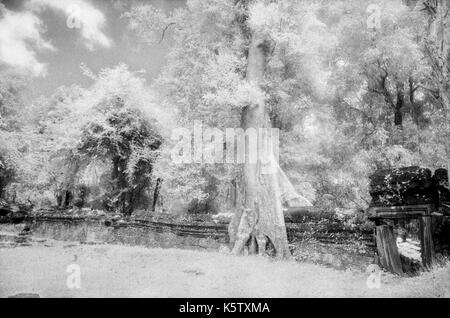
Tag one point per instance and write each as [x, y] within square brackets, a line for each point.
[49, 40]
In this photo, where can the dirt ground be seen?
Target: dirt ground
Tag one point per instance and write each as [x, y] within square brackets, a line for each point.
[123, 271]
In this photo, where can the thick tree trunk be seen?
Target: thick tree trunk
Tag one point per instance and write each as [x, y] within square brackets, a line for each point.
[65, 191]
[156, 193]
[260, 223]
[416, 106]
[398, 115]
[444, 46]
[439, 50]
[124, 199]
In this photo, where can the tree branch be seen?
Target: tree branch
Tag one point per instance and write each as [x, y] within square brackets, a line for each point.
[163, 33]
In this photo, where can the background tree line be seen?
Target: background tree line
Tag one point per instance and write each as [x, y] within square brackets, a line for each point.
[347, 98]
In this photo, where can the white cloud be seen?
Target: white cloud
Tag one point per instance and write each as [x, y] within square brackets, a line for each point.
[79, 14]
[21, 33]
[20, 37]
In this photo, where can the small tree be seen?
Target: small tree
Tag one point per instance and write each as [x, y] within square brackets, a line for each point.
[125, 138]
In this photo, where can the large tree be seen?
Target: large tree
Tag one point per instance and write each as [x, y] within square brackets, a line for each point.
[260, 221]
[437, 46]
[226, 62]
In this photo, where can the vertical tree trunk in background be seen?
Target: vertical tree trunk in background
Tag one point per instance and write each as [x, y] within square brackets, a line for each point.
[416, 107]
[439, 48]
[65, 193]
[156, 193]
[398, 115]
[124, 198]
[67, 198]
[444, 46]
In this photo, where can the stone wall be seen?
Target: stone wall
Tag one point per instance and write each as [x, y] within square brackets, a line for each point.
[142, 233]
[313, 238]
[177, 234]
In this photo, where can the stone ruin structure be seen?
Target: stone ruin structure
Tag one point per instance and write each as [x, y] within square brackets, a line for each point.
[400, 196]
